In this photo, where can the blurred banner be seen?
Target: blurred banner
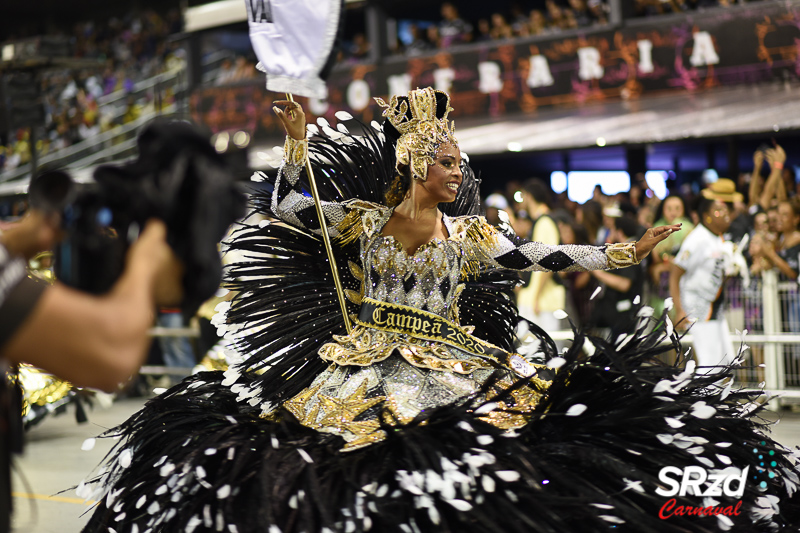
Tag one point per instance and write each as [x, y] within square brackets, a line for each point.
[294, 42]
[494, 79]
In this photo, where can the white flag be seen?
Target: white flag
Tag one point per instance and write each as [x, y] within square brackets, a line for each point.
[293, 40]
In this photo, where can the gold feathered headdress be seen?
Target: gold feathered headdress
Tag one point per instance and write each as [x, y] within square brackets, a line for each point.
[423, 132]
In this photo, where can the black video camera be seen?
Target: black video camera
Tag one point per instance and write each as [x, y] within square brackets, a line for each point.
[178, 177]
[98, 230]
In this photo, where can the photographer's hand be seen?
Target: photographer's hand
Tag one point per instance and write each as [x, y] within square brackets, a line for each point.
[151, 251]
[100, 341]
[34, 233]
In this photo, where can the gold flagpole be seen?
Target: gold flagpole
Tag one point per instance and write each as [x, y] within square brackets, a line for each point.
[325, 238]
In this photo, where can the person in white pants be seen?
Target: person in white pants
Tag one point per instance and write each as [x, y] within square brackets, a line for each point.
[697, 278]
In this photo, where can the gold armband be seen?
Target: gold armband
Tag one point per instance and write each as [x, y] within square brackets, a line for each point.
[621, 255]
[295, 152]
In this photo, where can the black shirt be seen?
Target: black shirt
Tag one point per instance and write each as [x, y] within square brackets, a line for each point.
[617, 310]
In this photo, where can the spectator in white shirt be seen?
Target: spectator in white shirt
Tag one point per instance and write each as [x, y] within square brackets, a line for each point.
[697, 277]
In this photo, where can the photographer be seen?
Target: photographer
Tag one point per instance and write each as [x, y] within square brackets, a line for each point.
[91, 341]
[91, 328]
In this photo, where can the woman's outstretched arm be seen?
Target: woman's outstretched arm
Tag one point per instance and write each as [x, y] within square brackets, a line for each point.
[488, 245]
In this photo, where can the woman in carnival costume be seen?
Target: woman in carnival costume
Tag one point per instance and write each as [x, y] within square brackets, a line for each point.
[422, 418]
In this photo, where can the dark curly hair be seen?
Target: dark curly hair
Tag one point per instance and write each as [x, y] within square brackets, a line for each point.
[399, 187]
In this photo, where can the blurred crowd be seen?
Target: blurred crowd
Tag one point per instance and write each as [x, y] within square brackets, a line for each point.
[127, 50]
[522, 20]
[763, 212]
[235, 69]
[645, 8]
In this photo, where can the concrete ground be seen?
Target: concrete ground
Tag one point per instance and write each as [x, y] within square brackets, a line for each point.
[53, 462]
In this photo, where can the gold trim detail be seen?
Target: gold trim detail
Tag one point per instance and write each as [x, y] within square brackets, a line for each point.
[295, 152]
[621, 255]
[362, 218]
[350, 228]
[477, 237]
[40, 388]
[338, 415]
[516, 412]
[368, 345]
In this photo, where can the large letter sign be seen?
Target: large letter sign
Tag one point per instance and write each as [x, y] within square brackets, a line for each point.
[358, 95]
[703, 52]
[539, 75]
[645, 47]
[399, 84]
[589, 67]
[489, 76]
[442, 79]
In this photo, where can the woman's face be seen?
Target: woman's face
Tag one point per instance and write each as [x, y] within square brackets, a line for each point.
[444, 176]
[673, 208]
[774, 220]
[645, 217]
[566, 232]
[788, 219]
[760, 223]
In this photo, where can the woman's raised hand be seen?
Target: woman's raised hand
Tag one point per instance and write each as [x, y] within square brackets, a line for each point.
[652, 237]
[775, 155]
[292, 118]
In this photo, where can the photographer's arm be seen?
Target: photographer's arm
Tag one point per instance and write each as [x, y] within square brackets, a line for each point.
[100, 341]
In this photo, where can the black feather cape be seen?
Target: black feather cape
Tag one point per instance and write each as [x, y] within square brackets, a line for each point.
[201, 457]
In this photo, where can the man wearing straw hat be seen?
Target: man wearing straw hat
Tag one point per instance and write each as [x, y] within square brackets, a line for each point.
[697, 277]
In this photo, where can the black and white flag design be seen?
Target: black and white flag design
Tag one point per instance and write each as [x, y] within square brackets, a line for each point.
[293, 40]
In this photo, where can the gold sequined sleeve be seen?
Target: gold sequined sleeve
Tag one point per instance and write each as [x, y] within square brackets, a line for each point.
[486, 244]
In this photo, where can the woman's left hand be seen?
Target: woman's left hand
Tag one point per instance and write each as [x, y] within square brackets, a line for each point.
[652, 237]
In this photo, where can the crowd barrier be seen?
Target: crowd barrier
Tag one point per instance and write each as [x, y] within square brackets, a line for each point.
[764, 320]
[769, 309]
[177, 371]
